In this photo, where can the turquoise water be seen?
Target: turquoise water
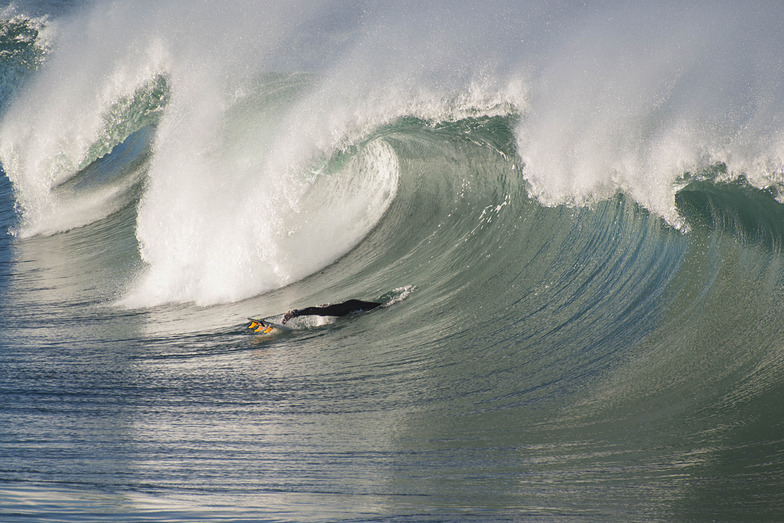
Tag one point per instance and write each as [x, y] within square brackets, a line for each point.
[582, 286]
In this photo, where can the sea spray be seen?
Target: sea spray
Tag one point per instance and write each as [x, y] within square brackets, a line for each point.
[634, 98]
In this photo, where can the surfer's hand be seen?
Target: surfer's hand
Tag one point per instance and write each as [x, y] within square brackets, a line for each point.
[288, 316]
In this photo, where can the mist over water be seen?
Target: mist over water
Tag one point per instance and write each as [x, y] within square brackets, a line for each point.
[572, 214]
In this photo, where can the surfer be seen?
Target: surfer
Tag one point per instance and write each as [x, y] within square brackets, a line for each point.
[338, 309]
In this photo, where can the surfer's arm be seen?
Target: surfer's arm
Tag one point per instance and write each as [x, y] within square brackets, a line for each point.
[323, 310]
[338, 309]
[307, 311]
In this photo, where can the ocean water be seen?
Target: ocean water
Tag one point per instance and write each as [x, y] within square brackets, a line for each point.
[573, 215]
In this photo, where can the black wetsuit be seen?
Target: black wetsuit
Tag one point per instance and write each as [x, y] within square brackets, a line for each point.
[338, 309]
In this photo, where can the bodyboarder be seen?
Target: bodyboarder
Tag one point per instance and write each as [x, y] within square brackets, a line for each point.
[337, 309]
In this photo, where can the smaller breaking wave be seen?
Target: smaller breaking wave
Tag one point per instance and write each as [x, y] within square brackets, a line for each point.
[46, 171]
[709, 200]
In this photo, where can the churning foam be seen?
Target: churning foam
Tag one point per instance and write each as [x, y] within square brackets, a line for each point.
[223, 242]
